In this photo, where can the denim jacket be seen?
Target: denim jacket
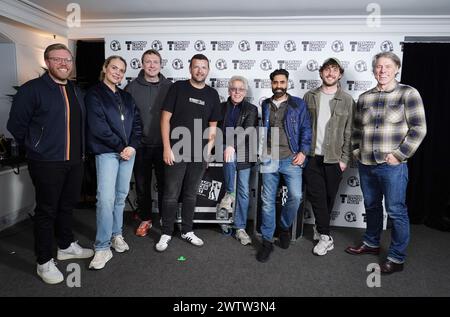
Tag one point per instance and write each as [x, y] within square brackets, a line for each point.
[297, 124]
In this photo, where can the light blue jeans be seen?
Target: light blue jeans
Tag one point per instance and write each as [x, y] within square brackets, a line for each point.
[389, 181]
[292, 174]
[113, 184]
[242, 195]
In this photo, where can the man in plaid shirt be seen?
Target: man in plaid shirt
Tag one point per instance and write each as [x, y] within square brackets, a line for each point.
[389, 126]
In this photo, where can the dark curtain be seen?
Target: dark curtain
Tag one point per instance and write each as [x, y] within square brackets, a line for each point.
[426, 66]
[89, 60]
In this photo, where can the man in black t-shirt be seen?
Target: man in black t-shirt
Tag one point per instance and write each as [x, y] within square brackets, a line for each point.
[190, 108]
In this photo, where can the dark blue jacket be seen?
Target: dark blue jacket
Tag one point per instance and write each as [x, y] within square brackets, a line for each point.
[37, 119]
[106, 132]
[297, 123]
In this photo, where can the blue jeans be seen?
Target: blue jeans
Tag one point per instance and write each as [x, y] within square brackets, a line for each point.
[389, 181]
[113, 184]
[292, 174]
[243, 188]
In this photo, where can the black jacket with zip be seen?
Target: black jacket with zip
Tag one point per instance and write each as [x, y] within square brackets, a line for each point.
[37, 119]
[106, 131]
[245, 145]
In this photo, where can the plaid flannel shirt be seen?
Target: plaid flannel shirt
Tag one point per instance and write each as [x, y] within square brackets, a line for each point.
[388, 122]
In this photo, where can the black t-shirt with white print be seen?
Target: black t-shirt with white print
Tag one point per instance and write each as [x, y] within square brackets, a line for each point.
[192, 109]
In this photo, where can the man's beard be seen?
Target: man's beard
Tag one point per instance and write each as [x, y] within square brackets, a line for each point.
[279, 92]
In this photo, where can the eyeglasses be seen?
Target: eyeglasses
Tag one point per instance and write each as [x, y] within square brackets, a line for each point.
[232, 89]
[60, 60]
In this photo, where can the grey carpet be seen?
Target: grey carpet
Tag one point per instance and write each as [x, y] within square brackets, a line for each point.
[224, 268]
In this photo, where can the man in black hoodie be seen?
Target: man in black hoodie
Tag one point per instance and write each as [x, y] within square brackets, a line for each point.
[149, 90]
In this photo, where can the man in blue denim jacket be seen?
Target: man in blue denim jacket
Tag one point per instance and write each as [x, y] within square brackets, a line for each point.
[287, 140]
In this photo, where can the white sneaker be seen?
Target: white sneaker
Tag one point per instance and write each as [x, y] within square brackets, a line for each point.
[192, 238]
[163, 243]
[100, 259]
[119, 244]
[243, 237]
[74, 251]
[49, 272]
[324, 245]
[316, 235]
[227, 201]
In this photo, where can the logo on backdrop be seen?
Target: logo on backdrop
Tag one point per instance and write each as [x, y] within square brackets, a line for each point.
[313, 46]
[290, 46]
[350, 216]
[387, 46]
[221, 64]
[351, 199]
[115, 45]
[289, 64]
[219, 82]
[353, 181]
[312, 65]
[163, 63]
[136, 45]
[337, 46]
[199, 45]
[361, 66]
[262, 83]
[309, 83]
[266, 64]
[267, 45]
[178, 45]
[177, 64]
[362, 46]
[243, 64]
[222, 45]
[359, 85]
[244, 46]
[157, 45]
[135, 63]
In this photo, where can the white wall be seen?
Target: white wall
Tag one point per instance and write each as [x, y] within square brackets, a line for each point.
[30, 46]
[8, 79]
[17, 192]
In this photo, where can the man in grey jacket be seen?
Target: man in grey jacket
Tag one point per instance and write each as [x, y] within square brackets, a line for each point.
[149, 90]
[331, 112]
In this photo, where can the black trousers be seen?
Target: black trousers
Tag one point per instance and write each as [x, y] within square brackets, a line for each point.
[58, 187]
[322, 183]
[146, 159]
[181, 178]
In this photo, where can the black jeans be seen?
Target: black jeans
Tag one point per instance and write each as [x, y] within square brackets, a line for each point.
[322, 183]
[146, 159]
[58, 187]
[181, 178]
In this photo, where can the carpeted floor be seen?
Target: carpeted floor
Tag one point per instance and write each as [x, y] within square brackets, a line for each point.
[225, 268]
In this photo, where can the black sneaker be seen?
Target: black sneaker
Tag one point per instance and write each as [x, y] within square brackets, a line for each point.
[285, 239]
[264, 253]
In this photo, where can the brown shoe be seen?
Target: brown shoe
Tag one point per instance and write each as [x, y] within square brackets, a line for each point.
[143, 228]
[362, 249]
[390, 267]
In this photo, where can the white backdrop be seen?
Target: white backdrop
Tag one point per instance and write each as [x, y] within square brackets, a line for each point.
[255, 57]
